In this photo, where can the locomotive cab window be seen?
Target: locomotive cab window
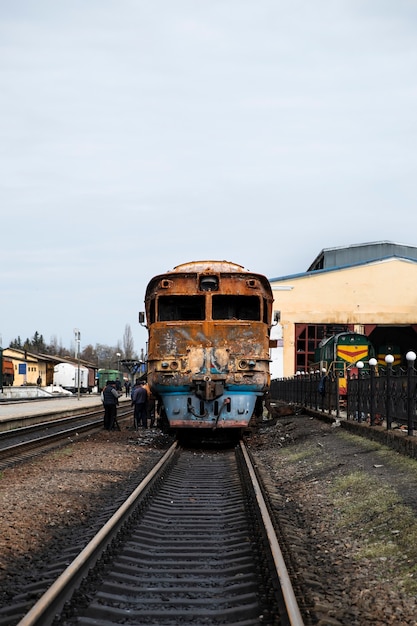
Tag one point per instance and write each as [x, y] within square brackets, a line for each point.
[265, 319]
[152, 312]
[181, 308]
[236, 308]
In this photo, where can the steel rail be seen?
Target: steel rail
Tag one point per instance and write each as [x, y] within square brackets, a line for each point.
[46, 423]
[52, 601]
[24, 446]
[290, 600]
[54, 421]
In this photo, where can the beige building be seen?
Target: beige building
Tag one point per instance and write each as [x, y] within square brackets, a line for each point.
[370, 288]
[34, 369]
[28, 368]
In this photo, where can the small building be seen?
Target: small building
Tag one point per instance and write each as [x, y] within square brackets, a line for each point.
[29, 368]
[38, 369]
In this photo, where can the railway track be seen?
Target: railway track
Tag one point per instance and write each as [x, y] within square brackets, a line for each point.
[193, 544]
[21, 443]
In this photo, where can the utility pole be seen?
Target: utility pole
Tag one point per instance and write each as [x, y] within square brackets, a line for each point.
[77, 354]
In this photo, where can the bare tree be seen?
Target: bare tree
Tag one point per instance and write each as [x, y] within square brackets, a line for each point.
[89, 354]
[106, 356]
[128, 345]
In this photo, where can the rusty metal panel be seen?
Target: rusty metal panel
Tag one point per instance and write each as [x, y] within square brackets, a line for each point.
[209, 325]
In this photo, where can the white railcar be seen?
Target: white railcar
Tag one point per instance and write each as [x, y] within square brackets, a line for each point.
[66, 375]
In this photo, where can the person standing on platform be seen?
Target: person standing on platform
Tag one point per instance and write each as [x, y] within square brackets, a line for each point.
[110, 400]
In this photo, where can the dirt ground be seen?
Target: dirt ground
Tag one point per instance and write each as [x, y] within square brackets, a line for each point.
[354, 503]
[309, 467]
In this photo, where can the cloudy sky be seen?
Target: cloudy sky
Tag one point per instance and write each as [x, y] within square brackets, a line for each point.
[137, 135]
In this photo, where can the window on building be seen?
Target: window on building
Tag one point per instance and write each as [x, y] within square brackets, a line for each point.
[308, 337]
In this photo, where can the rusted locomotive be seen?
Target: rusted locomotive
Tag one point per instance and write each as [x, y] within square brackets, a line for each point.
[208, 351]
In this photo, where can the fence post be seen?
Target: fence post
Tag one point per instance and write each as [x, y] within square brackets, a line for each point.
[389, 359]
[348, 394]
[336, 393]
[411, 357]
[359, 365]
[372, 365]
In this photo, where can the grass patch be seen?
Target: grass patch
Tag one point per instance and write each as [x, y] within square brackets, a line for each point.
[67, 451]
[309, 457]
[366, 444]
[299, 455]
[386, 454]
[374, 513]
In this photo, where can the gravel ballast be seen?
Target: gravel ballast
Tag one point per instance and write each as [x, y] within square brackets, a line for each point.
[313, 472]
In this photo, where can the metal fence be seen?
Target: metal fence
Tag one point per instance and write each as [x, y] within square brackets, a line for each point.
[383, 395]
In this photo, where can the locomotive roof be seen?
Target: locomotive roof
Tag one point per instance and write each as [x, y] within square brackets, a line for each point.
[336, 336]
[209, 266]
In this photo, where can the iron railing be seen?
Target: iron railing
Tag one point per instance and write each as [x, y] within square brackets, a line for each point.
[387, 395]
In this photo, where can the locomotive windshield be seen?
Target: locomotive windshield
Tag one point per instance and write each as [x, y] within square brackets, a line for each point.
[192, 308]
[236, 308]
[177, 308]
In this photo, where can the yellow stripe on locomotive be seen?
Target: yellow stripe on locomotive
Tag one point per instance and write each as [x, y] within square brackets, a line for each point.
[352, 353]
[389, 349]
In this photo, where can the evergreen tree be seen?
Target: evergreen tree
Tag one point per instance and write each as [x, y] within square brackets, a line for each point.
[16, 343]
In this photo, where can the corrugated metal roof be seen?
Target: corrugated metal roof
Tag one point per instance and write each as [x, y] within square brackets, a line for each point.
[343, 256]
[341, 267]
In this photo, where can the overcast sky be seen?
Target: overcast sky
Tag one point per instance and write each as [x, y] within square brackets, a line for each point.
[138, 135]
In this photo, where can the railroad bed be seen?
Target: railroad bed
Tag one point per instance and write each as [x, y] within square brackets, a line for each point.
[55, 430]
[190, 548]
[315, 476]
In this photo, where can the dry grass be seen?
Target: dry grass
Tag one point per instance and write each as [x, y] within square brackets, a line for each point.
[367, 510]
[373, 512]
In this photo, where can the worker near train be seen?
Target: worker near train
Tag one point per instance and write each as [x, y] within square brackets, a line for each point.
[139, 398]
[150, 406]
[110, 400]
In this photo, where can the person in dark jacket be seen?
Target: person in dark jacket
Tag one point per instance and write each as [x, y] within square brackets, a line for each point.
[110, 399]
[322, 389]
[139, 399]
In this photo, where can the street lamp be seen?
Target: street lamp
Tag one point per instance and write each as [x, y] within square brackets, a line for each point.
[389, 360]
[359, 365]
[118, 360]
[77, 336]
[372, 365]
[411, 357]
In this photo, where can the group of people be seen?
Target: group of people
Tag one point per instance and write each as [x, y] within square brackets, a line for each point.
[144, 405]
[141, 399]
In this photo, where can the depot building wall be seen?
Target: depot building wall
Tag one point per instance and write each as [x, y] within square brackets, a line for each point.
[27, 367]
[383, 292]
